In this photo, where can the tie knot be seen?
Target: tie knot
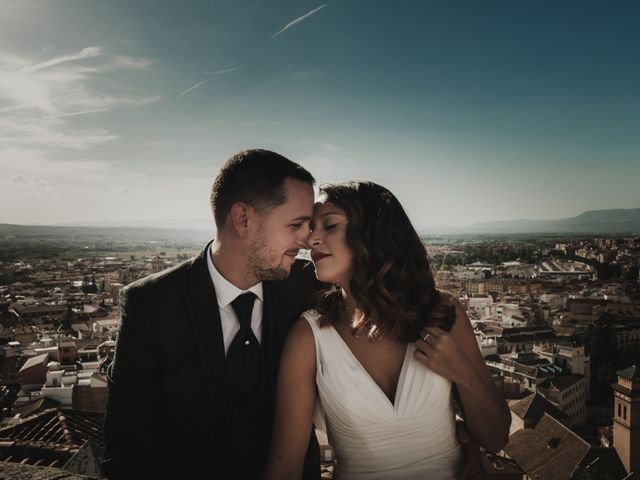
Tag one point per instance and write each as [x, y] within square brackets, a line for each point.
[243, 306]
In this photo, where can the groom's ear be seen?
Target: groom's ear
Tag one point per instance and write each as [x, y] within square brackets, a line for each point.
[240, 217]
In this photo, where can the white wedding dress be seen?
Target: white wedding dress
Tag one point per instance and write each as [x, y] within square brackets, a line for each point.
[374, 439]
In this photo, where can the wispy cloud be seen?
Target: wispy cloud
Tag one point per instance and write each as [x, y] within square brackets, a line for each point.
[224, 70]
[192, 88]
[38, 95]
[298, 20]
[81, 112]
[120, 62]
[84, 53]
[46, 156]
[110, 102]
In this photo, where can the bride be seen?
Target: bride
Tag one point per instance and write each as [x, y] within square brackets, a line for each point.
[377, 358]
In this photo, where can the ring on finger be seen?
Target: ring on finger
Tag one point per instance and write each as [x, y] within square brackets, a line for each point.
[424, 339]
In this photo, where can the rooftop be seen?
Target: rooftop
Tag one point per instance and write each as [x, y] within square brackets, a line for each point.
[50, 438]
[534, 407]
[558, 384]
[549, 451]
[18, 471]
[37, 360]
[630, 373]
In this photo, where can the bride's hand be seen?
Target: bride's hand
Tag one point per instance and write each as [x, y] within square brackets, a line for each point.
[439, 351]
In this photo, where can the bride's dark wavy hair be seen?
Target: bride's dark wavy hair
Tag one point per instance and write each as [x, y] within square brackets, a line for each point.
[392, 283]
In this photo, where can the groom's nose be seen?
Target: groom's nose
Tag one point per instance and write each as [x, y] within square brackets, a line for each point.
[303, 239]
[306, 244]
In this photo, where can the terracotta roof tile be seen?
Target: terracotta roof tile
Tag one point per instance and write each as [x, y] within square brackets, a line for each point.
[50, 437]
[534, 407]
[550, 451]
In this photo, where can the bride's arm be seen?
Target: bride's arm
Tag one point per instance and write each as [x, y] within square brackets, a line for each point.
[295, 402]
[456, 356]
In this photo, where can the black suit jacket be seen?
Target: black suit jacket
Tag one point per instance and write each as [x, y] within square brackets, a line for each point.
[166, 384]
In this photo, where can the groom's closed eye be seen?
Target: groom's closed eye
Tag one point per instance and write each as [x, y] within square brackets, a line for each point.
[297, 225]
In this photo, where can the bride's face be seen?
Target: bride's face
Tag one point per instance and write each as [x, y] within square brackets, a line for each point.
[331, 255]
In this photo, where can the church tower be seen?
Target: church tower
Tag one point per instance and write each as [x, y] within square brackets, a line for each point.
[626, 419]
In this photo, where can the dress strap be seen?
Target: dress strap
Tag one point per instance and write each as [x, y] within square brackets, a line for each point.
[313, 318]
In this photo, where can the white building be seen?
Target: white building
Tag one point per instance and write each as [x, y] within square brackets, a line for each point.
[59, 385]
[568, 393]
[481, 306]
[572, 358]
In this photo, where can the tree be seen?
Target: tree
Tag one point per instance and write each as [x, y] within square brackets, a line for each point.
[90, 287]
[605, 357]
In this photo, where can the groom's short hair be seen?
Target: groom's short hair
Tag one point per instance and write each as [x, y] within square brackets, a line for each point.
[256, 178]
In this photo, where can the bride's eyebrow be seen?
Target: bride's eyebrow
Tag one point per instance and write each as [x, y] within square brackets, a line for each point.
[332, 212]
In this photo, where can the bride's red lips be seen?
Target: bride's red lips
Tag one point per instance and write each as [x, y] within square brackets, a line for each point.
[316, 257]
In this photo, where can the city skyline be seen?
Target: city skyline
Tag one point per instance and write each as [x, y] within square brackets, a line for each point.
[111, 111]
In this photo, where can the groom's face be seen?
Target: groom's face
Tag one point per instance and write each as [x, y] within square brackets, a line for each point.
[282, 232]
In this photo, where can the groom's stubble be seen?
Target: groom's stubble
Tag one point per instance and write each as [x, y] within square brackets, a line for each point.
[263, 262]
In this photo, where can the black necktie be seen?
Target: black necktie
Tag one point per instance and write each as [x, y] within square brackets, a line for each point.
[244, 358]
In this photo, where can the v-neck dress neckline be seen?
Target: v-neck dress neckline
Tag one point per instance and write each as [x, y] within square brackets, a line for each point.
[377, 387]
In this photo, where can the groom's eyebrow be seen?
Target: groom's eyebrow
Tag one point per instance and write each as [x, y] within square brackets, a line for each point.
[303, 218]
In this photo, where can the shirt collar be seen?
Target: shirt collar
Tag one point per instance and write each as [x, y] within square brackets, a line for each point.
[226, 292]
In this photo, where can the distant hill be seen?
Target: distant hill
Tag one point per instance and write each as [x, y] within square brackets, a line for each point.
[168, 224]
[612, 221]
[117, 235]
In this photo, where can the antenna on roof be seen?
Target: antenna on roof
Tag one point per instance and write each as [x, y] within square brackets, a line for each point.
[591, 464]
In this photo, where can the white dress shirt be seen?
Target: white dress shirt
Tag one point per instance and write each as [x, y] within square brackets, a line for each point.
[226, 292]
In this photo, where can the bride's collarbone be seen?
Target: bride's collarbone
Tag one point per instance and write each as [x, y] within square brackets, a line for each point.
[383, 346]
[382, 358]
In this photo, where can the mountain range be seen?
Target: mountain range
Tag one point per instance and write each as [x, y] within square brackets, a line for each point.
[601, 222]
[610, 221]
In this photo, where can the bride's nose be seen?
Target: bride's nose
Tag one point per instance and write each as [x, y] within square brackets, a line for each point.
[314, 239]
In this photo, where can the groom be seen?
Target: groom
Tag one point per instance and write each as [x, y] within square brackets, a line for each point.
[191, 389]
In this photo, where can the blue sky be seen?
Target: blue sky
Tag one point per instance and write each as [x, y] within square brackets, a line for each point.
[468, 111]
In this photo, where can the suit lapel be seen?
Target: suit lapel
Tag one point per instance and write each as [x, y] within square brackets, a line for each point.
[205, 320]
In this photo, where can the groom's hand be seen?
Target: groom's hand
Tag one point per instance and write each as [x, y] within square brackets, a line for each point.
[472, 468]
